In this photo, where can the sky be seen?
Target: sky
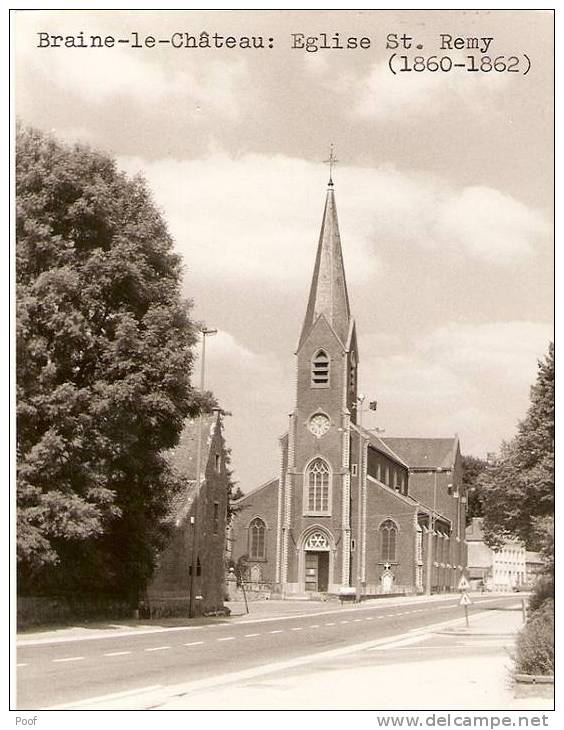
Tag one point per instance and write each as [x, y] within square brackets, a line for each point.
[444, 191]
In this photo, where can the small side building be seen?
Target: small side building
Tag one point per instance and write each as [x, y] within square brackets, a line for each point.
[189, 578]
[496, 570]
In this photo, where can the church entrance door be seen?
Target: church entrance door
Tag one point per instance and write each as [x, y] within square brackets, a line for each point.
[317, 571]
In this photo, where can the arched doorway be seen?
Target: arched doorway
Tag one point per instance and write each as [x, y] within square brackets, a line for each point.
[316, 561]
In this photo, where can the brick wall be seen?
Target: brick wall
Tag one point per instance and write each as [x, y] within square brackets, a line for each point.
[263, 503]
[203, 539]
[383, 505]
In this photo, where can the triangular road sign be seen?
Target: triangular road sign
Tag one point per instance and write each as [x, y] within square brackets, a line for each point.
[463, 584]
[465, 600]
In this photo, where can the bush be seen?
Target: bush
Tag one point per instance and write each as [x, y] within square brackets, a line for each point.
[543, 591]
[535, 643]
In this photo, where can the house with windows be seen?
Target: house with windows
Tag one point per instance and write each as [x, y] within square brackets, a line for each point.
[349, 510]
[189, 577]
[510, 567]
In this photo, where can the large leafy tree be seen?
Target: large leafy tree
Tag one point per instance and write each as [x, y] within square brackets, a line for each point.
[104, 355]
[519, 486]
[472, 469]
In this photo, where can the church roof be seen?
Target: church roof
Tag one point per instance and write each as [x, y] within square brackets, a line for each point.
[270, 483]
[379, 444]
[328, 294]
[184, 458]
[180, 503]
[421, 453]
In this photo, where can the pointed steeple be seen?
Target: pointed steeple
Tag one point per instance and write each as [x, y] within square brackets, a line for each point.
[328, 294]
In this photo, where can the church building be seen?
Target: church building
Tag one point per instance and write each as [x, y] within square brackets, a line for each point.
[350, 511]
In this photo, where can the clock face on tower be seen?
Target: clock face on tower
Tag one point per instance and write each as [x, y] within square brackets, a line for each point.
[319, 424]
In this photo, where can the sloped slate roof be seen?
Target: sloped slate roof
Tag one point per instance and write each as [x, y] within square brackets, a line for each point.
[379, 444]
[179, 504]
[185, 455]
[184, 458]
[328, 293]
[270, 483]
[424, 452]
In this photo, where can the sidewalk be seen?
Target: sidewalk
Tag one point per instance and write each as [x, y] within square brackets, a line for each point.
[480, 681]
[258, 610]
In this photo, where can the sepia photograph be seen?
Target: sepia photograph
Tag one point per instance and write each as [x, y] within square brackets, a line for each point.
[283, 364]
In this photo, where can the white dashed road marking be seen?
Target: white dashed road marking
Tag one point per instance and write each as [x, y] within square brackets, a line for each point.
[21, 665]
[158, 648]
[227, 638]
[193, 643]
[331, 623]
[117, 653]
[276, 631]
[297, 628]
[248, 636]
[314, 626]
[69, 659]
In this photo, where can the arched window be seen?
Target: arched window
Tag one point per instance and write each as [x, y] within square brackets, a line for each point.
[257, 542]
[320, 370]
[318, 486]
[388, 537]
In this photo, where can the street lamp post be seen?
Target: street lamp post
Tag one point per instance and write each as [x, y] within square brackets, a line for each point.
[205, 333]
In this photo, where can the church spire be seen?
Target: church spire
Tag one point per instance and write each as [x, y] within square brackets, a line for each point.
[328, 294]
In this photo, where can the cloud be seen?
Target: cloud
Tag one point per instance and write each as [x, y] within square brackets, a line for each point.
[490, 225]
[254, 387]
[385, 96]
[100, 75]
[469, 379]
[255, 217]
[252, 217]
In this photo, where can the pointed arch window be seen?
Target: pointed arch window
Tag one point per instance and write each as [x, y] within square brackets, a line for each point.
[320, 370]
[317, 481]
[257, 541]
[388, 541]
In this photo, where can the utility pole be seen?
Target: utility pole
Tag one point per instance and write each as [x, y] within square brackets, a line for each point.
[205, 332]
[193, 564]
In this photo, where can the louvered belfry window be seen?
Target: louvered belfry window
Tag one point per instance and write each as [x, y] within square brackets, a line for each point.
[320, 369]
[318, 486]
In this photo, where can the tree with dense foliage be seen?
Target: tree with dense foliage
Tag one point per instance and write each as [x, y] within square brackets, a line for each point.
[519, 486]
[104, 356]
[472, 469]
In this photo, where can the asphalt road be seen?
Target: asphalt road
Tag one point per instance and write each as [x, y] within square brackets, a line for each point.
[54, 674]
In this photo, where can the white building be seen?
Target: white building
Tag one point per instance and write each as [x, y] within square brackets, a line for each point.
[499, 570]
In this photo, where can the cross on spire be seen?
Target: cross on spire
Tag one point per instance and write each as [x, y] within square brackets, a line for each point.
[332, 161]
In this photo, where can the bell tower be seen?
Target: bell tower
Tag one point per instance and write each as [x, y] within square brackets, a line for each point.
[316, 504]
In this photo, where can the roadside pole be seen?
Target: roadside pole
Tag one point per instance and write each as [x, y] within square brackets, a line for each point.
[465, 601]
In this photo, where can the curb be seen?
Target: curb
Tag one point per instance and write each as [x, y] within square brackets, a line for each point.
[533, 678]
[462, 632]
